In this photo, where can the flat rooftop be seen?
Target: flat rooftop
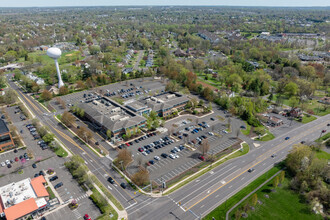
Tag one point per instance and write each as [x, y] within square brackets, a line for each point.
[15, 193]
[111, 114]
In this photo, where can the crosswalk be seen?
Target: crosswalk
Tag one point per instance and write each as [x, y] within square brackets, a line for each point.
[76, 214]
[81, 197]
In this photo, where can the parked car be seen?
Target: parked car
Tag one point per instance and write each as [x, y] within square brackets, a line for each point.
[86, 217]
[156, 158]
[201, 157]
[58, 185]
[7, 162]
[287, 138]
[3, 164]
[42, 173]
[164, 155]
[34, 165]
[53, 178]
[9, 165]
[212, 119]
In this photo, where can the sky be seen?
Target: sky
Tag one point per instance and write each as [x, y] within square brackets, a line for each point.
[45, 3]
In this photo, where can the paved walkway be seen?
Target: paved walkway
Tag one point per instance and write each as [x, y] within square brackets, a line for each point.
[121, 214]
[248, 195]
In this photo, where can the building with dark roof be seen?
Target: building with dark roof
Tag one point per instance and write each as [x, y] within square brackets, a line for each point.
[106, 114]
[6, 140]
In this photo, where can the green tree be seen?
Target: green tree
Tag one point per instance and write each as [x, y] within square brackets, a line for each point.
[275, 181]
[291, 89]
[254, 199]
[48, 138]
[109, 134]
[282, 176]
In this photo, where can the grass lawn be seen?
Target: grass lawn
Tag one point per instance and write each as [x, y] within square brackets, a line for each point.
[306, 119]
[267, 137]
[324, 137]
[107, 209]
[61, 152]
[282, 204]
[220, 211]
[50, 192]
[247, 130]
[322, 155]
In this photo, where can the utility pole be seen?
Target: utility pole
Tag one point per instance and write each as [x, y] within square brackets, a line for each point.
[121, 162]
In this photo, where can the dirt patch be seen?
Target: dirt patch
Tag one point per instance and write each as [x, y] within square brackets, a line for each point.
[207, 85]
[69, 55]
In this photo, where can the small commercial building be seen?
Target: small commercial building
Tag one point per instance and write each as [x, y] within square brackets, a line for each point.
[21, 199]
[6, 140]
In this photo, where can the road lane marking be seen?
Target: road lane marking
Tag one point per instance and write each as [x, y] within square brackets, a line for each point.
[283, 144]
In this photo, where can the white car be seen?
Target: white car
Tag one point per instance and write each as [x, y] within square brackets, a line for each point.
[156, 158]
[210, 133]
[176, 156]
[171, 156]
[3, 164]
[7, 162]
[224, 131]
[177, 149]
[144, 153]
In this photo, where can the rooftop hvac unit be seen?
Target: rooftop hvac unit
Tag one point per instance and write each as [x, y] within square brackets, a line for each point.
[170, 96]
[124, 118]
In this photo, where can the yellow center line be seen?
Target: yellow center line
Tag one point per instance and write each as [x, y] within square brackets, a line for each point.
[283, 143]
[66, 137]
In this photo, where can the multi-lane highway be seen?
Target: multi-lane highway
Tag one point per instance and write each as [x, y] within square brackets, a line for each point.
[197, 198]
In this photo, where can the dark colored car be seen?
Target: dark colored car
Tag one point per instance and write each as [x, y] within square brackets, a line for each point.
[123, 185]
[34, 165]
[36, 175]
[42, 173]
[251, 170]
[243, 127]
[58, 185]
[53, 178]
[303, 142]
[287, 138]
[164, 155]
[151, 162]
[9, 165]
[110, 180]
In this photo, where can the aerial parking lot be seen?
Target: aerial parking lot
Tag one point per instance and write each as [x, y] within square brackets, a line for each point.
[167, 156]
[132, 89]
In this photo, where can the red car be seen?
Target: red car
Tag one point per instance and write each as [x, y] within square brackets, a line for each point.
[140, 149]
[323, 131]
[16, 159]
[86, 217]
[127, 144]
[201, 158]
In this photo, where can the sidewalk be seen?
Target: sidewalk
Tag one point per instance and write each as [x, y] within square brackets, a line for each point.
[121, 214]
[248, 195]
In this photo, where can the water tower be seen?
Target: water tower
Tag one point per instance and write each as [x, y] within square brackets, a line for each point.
[55, 53]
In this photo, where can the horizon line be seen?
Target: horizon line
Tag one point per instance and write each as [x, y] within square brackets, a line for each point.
[256, 6]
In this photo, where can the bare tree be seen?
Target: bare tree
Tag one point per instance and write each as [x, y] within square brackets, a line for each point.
[204, 147]
[67, 118]
[125, 156]
[141, 177]
[139, 161]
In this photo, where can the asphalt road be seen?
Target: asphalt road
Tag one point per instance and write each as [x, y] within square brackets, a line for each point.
[203, 194]
[98, 166]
